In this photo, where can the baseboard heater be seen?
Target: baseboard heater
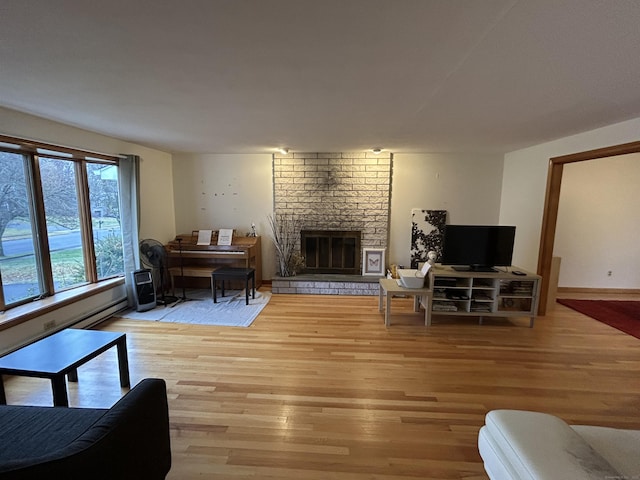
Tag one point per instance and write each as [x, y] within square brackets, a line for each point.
[102, 315]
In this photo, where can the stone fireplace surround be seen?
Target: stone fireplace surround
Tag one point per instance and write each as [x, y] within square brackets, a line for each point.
[334, 191]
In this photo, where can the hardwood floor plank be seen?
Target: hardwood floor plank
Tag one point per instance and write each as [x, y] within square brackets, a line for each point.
[318, 388]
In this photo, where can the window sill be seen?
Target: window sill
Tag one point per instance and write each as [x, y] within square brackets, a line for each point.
[29, 311]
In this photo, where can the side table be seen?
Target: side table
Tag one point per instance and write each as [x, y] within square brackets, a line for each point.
[391, 286]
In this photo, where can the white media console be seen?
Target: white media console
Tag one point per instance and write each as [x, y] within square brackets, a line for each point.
[484, 294]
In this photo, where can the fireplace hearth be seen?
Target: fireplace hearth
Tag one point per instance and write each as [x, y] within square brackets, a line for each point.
[331, 251]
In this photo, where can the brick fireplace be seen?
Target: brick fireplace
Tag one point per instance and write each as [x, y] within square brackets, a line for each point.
[343, 191]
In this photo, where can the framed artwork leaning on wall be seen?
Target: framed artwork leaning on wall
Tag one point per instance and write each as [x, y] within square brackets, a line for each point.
[373, 261]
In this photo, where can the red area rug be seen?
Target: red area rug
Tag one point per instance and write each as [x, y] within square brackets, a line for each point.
[621, 314]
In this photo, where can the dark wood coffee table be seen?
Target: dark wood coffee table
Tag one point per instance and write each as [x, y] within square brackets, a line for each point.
[61, 354]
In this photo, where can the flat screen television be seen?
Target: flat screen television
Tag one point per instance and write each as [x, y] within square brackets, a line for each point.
[478, 247]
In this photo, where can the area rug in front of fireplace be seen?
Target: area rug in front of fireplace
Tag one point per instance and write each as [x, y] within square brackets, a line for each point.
[621, 314]
[230, 311]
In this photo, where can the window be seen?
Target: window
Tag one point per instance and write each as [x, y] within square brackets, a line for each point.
[105, 219]
[19, 266]
[62, 217]
[59, 220]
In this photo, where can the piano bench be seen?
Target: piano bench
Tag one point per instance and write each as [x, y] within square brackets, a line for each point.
[203, 272]
[231, 273]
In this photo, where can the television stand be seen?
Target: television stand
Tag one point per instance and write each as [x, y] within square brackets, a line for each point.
[472, 268]
[472, 293]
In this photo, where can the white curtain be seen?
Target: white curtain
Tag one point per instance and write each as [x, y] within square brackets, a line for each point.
[128, 180]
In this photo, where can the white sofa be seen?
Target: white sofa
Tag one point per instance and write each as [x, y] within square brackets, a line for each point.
[522, 445]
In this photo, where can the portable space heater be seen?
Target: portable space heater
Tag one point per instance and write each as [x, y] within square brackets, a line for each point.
[144, 293]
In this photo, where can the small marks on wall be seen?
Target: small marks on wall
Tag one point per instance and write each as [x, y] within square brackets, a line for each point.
[217, 197]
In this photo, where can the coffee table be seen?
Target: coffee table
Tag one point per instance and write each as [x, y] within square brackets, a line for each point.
[390, 286]
[60, 355]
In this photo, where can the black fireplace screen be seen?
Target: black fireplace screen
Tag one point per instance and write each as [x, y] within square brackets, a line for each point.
[331, 251]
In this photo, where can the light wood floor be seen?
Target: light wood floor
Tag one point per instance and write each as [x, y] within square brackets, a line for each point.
[317, 388]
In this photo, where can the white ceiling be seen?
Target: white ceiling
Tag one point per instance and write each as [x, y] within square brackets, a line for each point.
[247, 76]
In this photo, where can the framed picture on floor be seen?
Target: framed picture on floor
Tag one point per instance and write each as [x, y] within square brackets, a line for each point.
[373, 261]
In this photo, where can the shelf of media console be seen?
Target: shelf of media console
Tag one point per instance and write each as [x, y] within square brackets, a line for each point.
[495, 294]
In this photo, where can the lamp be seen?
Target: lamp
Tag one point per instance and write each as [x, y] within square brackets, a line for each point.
[283, 151]
[377, 150]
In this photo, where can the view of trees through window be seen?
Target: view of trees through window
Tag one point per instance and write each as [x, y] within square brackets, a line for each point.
[30, 268]
[62, 217]
[18, 261]
[105, 219]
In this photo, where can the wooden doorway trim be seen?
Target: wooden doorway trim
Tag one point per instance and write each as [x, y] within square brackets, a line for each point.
[552, 201]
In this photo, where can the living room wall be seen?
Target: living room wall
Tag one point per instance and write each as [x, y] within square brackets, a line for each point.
[231, 191]
[466, 185]
[214, 191]
[524, 186]
[599, 224]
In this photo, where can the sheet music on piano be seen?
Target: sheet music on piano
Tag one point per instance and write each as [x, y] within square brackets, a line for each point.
[204, 237]
[225, 236]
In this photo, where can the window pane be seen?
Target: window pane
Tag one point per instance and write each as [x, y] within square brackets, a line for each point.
[105, 217]
[63, 222]
[18, 261]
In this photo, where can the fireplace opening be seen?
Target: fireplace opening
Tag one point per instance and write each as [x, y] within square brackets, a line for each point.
[331, 251]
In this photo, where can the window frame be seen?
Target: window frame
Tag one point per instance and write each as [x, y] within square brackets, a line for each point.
[33, 150]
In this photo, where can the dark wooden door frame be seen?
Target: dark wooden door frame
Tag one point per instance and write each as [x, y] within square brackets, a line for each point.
[552, 201]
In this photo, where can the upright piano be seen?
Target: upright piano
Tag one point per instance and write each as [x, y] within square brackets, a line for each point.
[186, 256]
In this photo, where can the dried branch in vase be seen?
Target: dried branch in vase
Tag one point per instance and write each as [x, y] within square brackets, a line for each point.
[285, 233]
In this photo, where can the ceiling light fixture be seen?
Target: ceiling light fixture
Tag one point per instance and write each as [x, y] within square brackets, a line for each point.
[377, 150]
[283, 151]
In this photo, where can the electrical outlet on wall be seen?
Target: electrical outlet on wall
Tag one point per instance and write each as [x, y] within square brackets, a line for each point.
[609, 273]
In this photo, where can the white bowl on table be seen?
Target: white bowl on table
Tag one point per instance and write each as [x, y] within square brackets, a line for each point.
[411, 278]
